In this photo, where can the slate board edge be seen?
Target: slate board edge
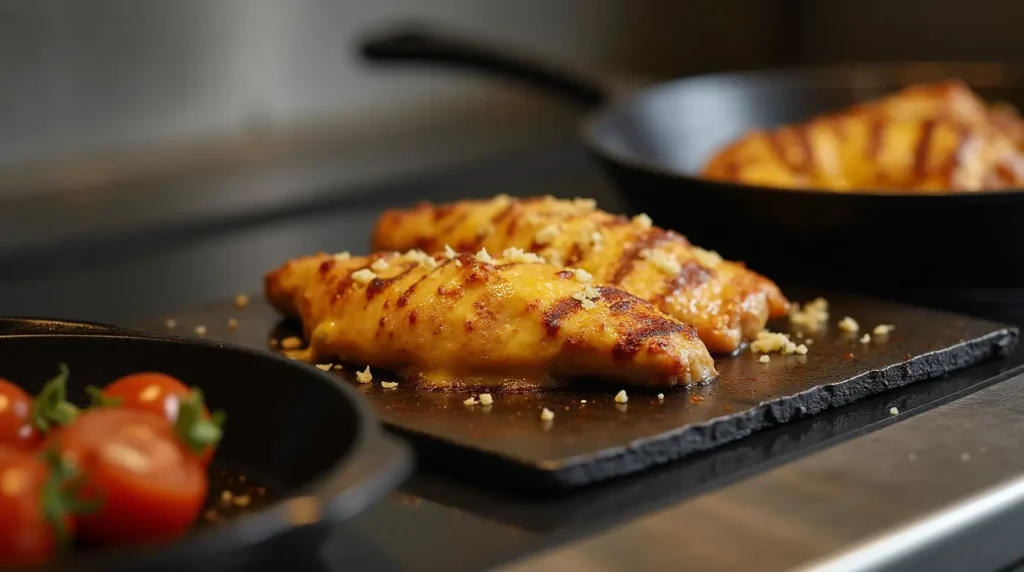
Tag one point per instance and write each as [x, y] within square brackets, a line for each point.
[678, 443]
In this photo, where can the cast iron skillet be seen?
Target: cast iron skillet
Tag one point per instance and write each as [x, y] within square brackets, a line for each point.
[654, 143]
[306, 437]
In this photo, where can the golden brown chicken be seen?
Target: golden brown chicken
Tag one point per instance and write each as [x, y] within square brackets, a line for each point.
[929, 138]
[477, 321]
[724, 301]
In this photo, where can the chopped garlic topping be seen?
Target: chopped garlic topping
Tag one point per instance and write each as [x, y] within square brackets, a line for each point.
[865, 339]
[894, 411]
[389, 384]
[449, 252]
[323, 366]
[546, 235]
[643, 221]
[621, 396]
[342, 256]
[421, 258]
[765, 358]
[848, 324]
[661, 396]
[291, 343]
[470, 401]
[801, 350]
[483, 256]
[586, 296]
[588, 204]
[242, 300]
[337, 366]
[514, 254]
[379, 265]
[364, 276]
[364, 376]
[662, 260]
[884, 329]
[486, 399]
[547, 414]
[458, 263]
[768, 342]
[706, 258]
[582, 275]
[813, 315]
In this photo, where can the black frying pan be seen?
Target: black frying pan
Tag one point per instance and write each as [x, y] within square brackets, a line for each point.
[653, 144]
[307, 439]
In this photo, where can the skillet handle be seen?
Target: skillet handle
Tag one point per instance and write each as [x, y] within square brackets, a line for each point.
[415, 43]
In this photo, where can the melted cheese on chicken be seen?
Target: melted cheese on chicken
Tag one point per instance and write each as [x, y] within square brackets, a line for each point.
[725, 302]
[477, 320]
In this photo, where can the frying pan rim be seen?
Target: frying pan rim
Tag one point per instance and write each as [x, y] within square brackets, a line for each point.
[274, 517]
[602, 117]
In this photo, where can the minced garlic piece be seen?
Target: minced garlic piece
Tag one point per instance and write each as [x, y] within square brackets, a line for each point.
[547, 414]
[813, 315]
[706, 258]
[661, 397]
[621, 396]
[470, 401]
[389, 384]
[514, 254]
[200, 330]
[338, 366]
[768, 342]
[379, 265]
[801, 350]
[884, 329]
[894, 411]
[342, 256]
[458, 263]
[582, 275]
[364, 276]
[242, 300]
[323, 366]
[291, 343]
[449, 252]
[643, 221]
[586, 296]
[486, 399]
[865, 339]
[765, 358]
[848, 324]
[662, 260]
[588, 204]
[547, 234]
[483, 256]
[364, 376]
[421, 258]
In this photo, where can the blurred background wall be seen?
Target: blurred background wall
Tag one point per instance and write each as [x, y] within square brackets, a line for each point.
[86, 83]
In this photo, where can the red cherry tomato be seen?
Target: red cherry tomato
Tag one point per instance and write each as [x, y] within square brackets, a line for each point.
[148, 486]
[158, 393]
[26, 536]
[16, 428]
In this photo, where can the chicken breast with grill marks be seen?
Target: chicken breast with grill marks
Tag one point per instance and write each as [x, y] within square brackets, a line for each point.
[475, 321]
[727, 303]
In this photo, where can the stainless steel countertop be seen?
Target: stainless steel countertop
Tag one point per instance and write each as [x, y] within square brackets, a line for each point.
[910, 496]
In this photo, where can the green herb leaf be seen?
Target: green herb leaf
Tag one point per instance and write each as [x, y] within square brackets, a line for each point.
[97, 399]
[62, 496]
[51, 408]
[195, 430]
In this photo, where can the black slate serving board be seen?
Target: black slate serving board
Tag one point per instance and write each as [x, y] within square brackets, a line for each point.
[593, 438]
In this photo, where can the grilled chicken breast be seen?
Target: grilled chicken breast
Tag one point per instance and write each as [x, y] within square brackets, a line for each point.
[475, 321]
[724, 301]
[930, 138]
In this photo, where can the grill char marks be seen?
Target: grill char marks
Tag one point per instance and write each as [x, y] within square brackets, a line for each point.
[624, 265]
[560, 310]
[691, 276]
[378, 285]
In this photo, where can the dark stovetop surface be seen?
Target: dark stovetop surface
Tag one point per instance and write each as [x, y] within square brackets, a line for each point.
[437, 521]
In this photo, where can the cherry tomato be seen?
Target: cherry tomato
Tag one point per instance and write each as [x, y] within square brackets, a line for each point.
[158, 393]
[27, 536]
[147, 485]
[16, 429]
